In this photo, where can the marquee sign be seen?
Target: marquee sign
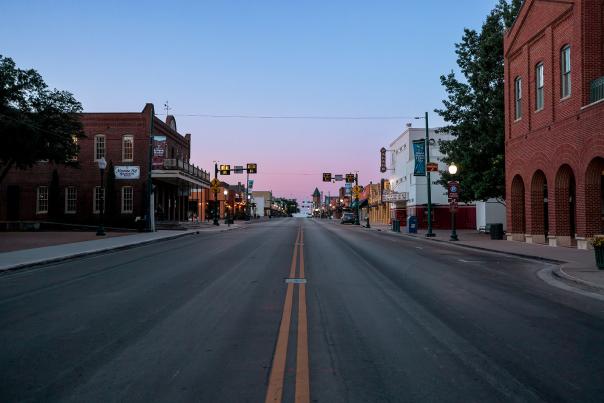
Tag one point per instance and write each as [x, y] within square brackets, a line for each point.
[395, 196]
[127, 172]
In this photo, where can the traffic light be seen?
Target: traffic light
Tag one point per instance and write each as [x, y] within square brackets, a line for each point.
[225, 169]
[252, 168]
[326, 177]
[349, 178]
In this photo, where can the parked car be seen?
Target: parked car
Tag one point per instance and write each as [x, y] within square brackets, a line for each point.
[347, 218]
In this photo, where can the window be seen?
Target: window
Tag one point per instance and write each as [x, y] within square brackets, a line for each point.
[539, 87]
[74, 140]
[127, 199]
[518, 98]
[565, 71]
[99, 197]
[71, 199]
[99, 147]
[42, 200]
[127, 148]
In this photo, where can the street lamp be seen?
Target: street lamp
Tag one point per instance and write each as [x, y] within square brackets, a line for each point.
[226, 211]
[102, 165]
[429, 234]
[453, 171]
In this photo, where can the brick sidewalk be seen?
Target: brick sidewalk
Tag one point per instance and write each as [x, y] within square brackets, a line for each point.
[575, 264]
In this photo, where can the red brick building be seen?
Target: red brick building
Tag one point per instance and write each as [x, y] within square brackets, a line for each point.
[554, 104]
[123, 139]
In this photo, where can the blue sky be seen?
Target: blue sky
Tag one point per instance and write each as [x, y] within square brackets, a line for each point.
[327, 58]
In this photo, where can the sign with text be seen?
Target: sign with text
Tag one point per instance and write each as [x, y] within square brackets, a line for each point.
[419, 155]
[250, 184]
[390, 196]
[432, 167]
[159, 151]
[127, 172]
[453, 190]
[339, 178]
[348, 188]
[383, 160]
[238, 169]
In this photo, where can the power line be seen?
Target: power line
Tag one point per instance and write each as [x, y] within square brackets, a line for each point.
[298, 117]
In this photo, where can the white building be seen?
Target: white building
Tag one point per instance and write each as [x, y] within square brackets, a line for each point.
[408, 195]
[262, 199]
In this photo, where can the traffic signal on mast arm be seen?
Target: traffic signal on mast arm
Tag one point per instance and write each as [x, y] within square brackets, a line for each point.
[225, 169]
[326, 177]
[349, 178]
[252, 168]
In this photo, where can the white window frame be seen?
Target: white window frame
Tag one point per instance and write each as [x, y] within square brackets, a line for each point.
[67, 200]
[40, 191]
[565, 71]
[95, 205]
[539, 87]
[124, 209]
[518, 98]
[124, 138]
[96, 151]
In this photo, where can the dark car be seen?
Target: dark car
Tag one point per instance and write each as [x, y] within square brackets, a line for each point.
[347, 218]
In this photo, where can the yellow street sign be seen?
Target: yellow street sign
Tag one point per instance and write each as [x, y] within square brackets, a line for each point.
[215, 184]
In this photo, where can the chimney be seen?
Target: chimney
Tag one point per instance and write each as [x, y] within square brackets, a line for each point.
[409, 125]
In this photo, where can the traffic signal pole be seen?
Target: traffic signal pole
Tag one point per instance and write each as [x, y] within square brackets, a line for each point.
[356, 199]
[216, 205]
[429, 234]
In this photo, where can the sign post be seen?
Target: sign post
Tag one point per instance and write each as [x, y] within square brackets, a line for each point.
[453, 193]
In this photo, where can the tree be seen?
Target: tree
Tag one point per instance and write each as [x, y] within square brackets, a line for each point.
[35, 123]
[474, 108]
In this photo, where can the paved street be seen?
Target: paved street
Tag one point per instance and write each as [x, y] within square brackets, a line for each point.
[211, 318]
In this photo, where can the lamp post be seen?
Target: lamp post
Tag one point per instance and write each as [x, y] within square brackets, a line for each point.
[429, 234]
[226, 206]
[101, 229]
[356, 199]
[216, 195]
[453, 171]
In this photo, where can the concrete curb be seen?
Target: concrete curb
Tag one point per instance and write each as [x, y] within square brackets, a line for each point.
[100, 251]
[562, 275]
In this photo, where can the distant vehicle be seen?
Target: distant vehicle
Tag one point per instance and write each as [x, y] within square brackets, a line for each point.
[347, 218]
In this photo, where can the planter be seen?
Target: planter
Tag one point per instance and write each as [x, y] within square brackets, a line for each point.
[599, 251]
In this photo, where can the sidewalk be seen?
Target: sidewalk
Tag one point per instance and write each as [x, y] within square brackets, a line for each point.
[48, 254]
[574, 265]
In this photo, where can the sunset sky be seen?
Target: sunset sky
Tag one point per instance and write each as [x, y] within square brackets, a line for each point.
[254, 58]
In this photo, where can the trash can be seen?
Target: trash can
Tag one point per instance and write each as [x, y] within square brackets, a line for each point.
[396, 226]
[412, 224]
[496, 231]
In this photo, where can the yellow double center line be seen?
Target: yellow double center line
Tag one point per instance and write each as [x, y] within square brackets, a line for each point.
[274, 392]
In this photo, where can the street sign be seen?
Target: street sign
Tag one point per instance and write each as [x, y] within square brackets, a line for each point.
[225, 169]
[383, 160]
[238, 169]
[453, 206]
[215, 184]
[453, 190]
[356, 191]
[252, 168]
[432, 167]
[326, 177]
[349, 178]
[339, 178]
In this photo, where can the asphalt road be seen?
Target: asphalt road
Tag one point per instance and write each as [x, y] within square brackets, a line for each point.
[369, 317]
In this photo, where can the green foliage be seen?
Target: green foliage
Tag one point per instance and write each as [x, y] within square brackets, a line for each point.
[597, 242]
[35, 123]
[474, 108]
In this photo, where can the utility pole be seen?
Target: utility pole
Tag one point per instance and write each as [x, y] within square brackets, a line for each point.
[356, 199]
[429, 234]
[216, 206]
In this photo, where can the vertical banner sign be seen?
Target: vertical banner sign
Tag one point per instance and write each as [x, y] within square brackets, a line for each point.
[159, 151]
[250, 184]
[383, 160]
[348, 188]
[419, 154]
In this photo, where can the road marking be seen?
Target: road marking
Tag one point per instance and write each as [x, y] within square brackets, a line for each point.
[470, 261]
[302, 372]
[274, 393]
[295, 280]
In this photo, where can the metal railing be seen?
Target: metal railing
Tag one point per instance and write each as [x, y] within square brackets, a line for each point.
[596, 90]
[173, 163]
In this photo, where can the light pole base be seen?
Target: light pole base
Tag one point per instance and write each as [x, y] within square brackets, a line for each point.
[430, 235]
[100, 231]
[454, 237]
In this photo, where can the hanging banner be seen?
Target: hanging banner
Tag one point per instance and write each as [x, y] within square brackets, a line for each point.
[250, 184]
[160, 147]
[419, 154]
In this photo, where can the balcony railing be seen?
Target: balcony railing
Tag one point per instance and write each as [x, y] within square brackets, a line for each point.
[596, 90]
[172, 163]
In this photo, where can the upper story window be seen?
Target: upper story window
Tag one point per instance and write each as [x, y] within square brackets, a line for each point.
[565, 71]
[42, 200]
[99, 147]
[127, 148]
[518, 98]
[71, 199]
[539, 87]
